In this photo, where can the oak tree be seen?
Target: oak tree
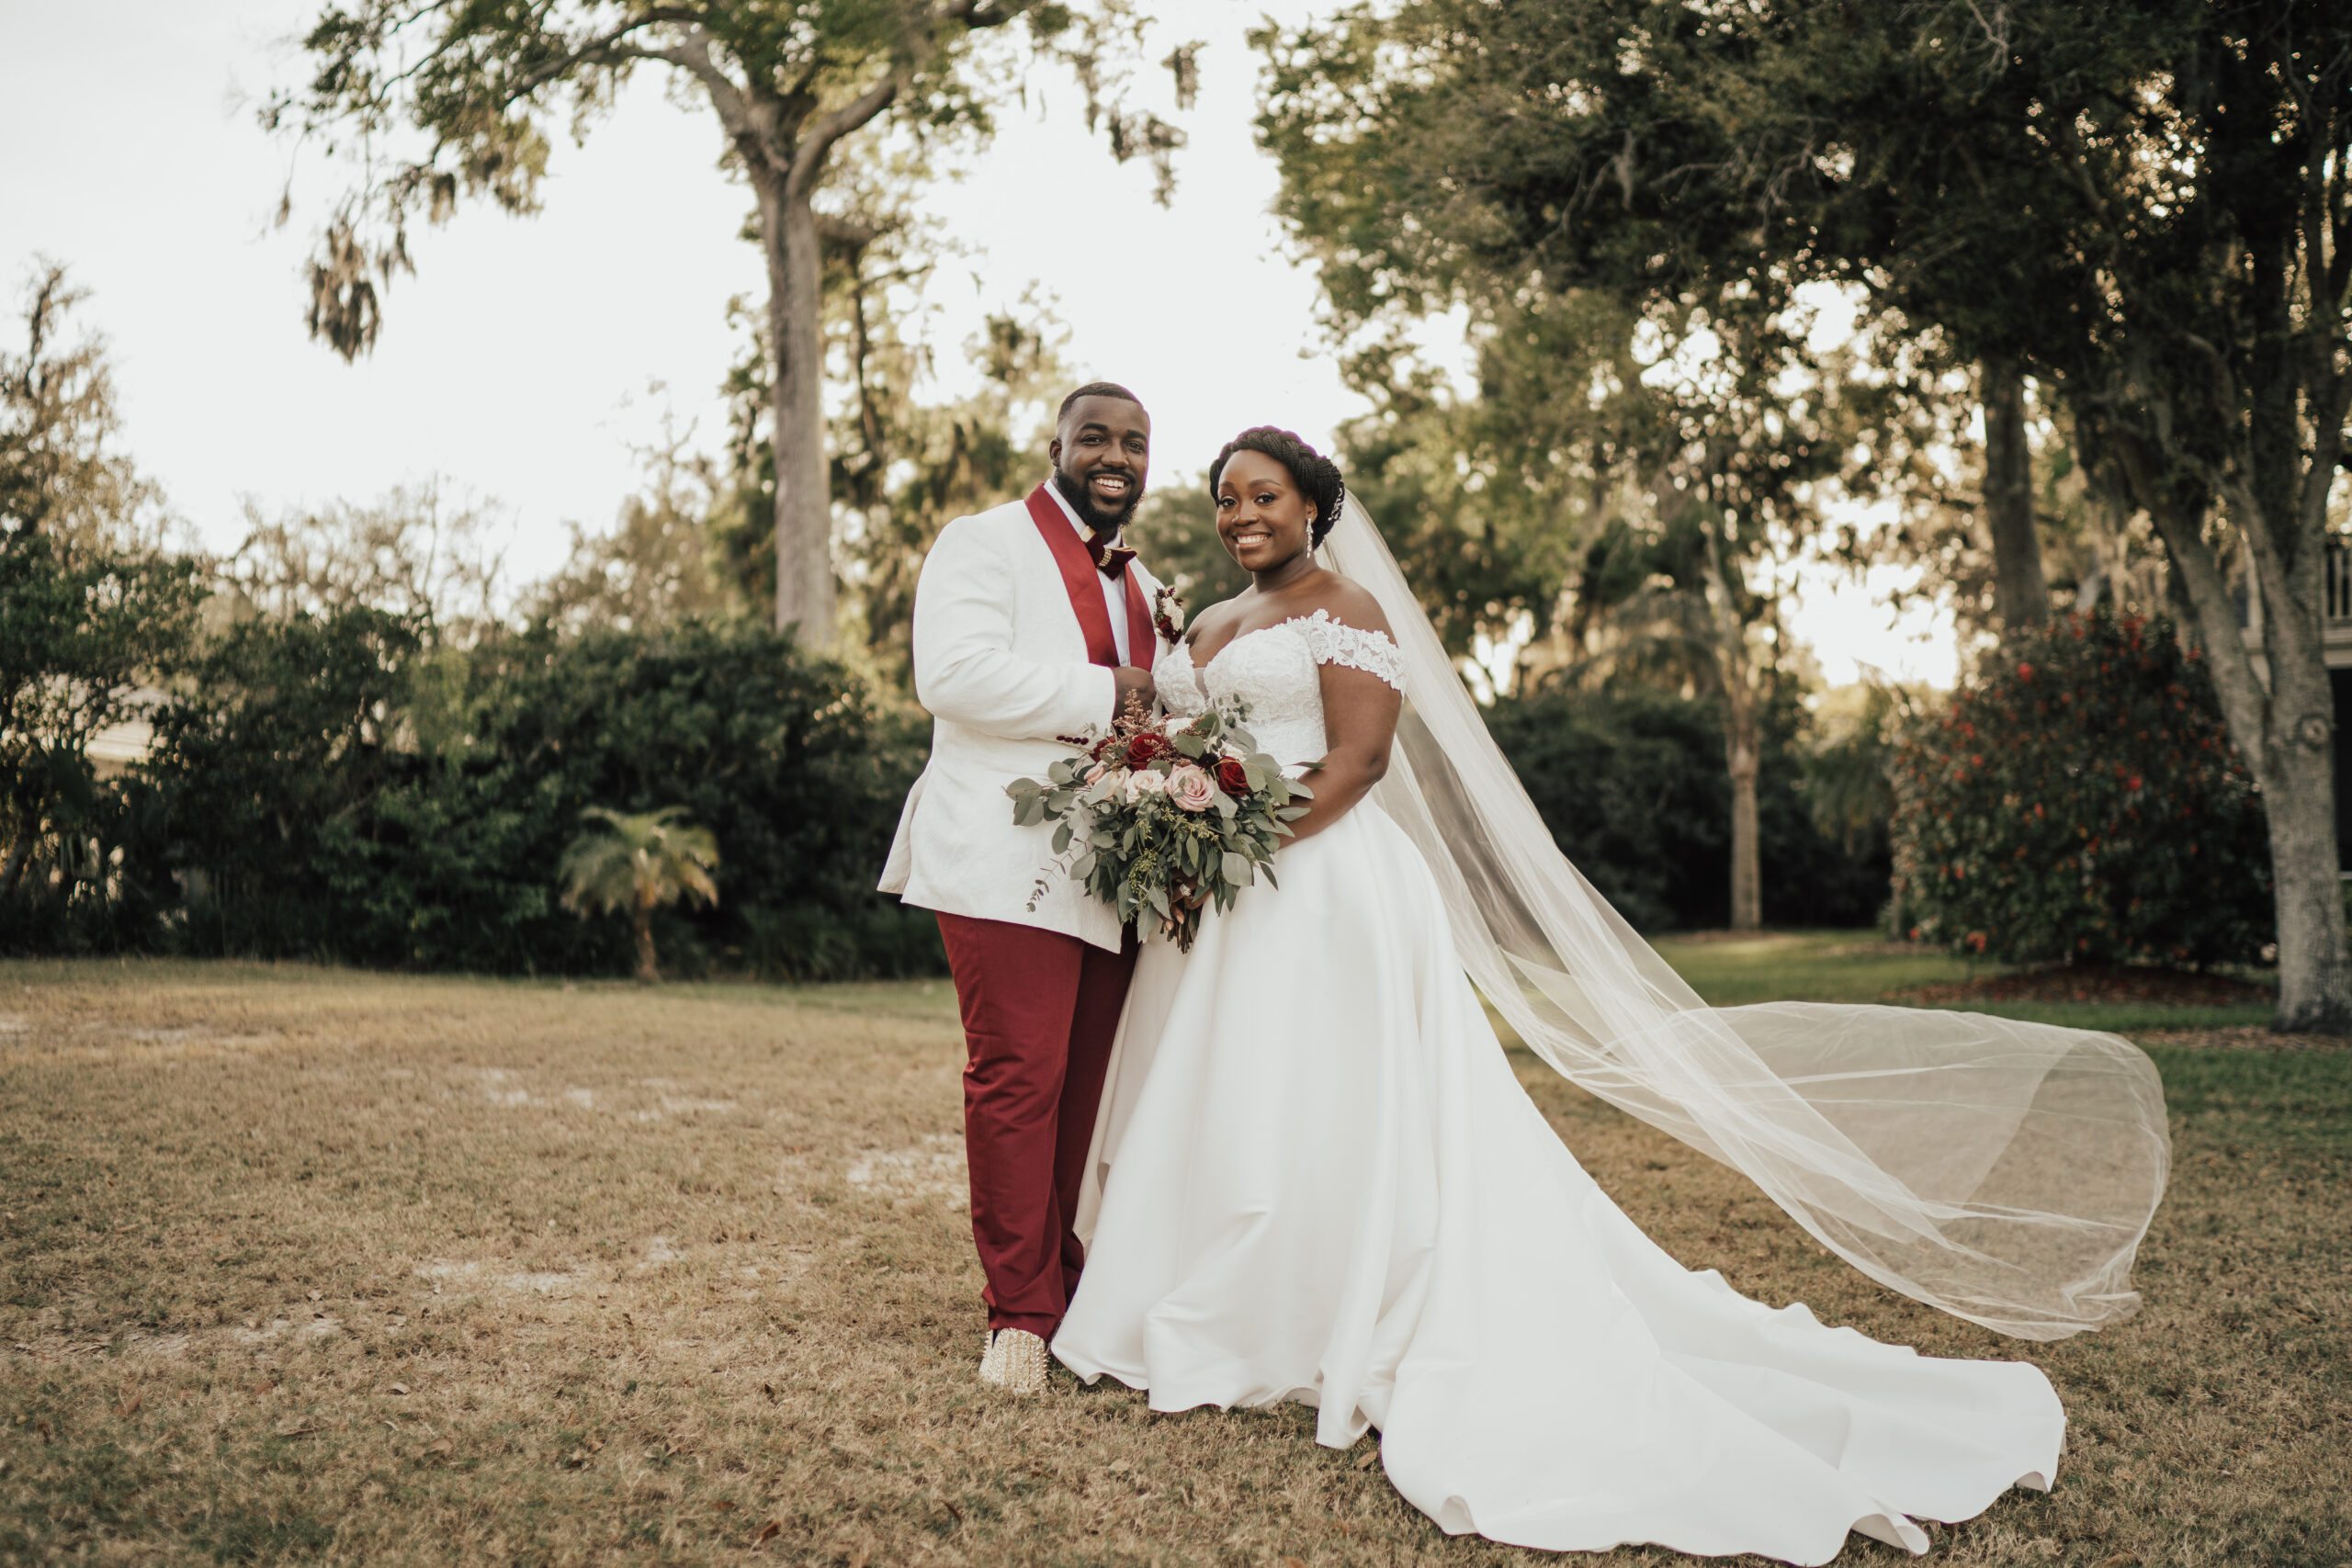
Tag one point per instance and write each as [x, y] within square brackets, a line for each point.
[1647, 400]
[439, 101]
[2142, 207]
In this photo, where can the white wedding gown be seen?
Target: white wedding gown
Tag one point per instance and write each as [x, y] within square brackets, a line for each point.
[1316, 1178]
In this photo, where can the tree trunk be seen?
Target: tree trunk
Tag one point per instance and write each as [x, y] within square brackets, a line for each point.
[784, 152]
[2298, 778]
[1746, 865]
[2020, 594]
[2286, 732]
[1741, 752]
[2314, 976]
[648, 973]
[804, 511]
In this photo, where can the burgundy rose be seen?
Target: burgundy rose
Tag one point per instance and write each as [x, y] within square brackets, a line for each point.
[1146, 748]
[1231, 776]
[1106, 750]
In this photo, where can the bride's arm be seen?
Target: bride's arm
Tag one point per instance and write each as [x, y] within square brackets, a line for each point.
[1360, 710]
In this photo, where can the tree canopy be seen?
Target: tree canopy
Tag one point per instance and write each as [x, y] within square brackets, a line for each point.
[2139, 208]
[1650, 414]
[90, 611]
[431, 103]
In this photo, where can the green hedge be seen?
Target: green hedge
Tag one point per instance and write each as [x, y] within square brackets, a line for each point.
[337, 787]
[1634, 787]
[343, 788]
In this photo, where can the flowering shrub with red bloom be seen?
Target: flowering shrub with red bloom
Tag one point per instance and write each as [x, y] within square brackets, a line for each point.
[2080, 802]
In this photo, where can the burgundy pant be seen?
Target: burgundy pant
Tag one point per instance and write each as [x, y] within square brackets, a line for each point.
[1039, 1009]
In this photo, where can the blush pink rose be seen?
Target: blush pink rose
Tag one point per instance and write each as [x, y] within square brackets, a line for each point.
[1191, 788]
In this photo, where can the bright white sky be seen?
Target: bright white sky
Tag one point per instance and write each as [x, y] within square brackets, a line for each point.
[518, 364]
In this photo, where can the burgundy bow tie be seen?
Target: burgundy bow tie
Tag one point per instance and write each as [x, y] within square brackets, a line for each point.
[1111, 560]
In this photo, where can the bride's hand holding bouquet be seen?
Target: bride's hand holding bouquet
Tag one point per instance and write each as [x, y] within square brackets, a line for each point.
[1165, 815]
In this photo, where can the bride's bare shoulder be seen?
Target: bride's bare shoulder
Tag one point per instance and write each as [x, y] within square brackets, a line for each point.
[1351, 603]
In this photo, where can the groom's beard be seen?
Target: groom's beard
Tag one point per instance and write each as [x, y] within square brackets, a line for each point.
[1103, 523]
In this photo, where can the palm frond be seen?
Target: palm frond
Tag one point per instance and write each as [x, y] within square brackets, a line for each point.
[643, 860]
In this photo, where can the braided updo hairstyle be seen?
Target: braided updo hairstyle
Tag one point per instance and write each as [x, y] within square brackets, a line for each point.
[1316, 477]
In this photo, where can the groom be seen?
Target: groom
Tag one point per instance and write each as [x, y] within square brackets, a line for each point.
[1032, 621]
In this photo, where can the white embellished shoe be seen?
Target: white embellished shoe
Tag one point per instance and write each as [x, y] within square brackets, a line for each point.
[1015, 1362]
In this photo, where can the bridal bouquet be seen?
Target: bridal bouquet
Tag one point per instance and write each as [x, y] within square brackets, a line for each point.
[1157, 818]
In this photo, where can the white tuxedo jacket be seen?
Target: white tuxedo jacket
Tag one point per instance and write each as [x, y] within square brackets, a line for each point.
[1001, 664]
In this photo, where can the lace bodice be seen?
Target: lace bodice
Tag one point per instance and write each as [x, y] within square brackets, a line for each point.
[1273, 672]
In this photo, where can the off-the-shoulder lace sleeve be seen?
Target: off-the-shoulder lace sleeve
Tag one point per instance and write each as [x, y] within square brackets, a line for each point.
[1336, 642]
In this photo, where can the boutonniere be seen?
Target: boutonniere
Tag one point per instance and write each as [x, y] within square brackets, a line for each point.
[1167, 612]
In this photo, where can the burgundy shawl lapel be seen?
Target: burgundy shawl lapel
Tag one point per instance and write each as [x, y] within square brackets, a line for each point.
[1079, 579]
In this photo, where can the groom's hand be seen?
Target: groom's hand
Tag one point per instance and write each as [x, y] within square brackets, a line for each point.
[1132, 682]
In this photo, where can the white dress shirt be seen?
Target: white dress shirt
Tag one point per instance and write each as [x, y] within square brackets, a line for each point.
[1115, 589]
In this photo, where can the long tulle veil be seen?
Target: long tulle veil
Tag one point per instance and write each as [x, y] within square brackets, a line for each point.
[2002, 1171]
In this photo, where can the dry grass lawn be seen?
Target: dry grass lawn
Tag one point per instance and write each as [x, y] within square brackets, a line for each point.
[305, 1266]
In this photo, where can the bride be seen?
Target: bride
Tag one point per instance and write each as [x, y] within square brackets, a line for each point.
[1315, 1177]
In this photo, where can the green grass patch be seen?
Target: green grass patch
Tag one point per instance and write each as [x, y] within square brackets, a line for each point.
[1861, 966]
[2290, 1101]
[1813, 966]
[2126, 1017]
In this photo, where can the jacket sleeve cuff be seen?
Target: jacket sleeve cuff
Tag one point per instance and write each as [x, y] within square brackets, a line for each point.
[1090, 697]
